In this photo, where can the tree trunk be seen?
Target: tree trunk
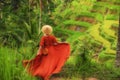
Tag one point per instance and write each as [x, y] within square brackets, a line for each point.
[41, 6]
[118, 49]
[40, 17]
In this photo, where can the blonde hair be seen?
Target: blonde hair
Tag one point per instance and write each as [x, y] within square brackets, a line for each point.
[47, 29]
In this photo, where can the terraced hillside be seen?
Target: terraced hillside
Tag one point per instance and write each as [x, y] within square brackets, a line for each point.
[100, 23]
[95, 32]
[89, 26]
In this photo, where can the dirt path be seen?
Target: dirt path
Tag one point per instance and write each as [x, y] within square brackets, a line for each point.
[59, 78]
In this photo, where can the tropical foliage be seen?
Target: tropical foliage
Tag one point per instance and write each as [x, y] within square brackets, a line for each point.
[90, 26]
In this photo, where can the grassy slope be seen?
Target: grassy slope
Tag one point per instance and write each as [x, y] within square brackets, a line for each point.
[11, 65]
[107, 25]
[94, 31]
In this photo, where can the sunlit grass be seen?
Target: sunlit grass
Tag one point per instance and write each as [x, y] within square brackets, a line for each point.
[71, 60]
[107, 25]
[11, 65]
[12, 69]
[94, 31]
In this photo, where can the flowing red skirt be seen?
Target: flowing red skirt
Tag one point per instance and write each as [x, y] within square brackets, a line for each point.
[44, 66]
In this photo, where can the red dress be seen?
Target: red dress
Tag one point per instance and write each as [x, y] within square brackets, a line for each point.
[44, 66]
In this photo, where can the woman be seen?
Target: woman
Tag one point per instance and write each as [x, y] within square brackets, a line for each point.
[50, 58]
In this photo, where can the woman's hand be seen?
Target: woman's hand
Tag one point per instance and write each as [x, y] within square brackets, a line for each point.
[55, 43]
[38, 52]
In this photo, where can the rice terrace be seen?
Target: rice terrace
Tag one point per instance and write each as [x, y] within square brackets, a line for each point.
[91, 27]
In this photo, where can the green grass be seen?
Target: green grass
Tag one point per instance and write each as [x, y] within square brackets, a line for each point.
[104, 70]
[107, 38]
[11, 65]
[94, 32]
[12, 69]
[86, 14]
[105, 57]
[112, 17]
[99, 17]
[106, 27]
[77, 23]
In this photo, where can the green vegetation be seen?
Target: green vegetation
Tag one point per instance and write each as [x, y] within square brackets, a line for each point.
[90, 26]
[11, 64]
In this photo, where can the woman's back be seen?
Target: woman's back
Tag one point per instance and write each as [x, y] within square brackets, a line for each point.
[47, 41]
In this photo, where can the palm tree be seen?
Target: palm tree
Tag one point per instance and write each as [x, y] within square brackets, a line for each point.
[23, 26]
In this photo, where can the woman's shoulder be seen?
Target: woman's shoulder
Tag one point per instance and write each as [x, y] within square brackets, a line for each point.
[48, 36]
[52, 36]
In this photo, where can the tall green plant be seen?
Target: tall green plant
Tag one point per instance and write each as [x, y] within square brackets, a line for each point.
[11, 64]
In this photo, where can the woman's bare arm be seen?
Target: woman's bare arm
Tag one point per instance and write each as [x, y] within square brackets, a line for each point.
[38, 52]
